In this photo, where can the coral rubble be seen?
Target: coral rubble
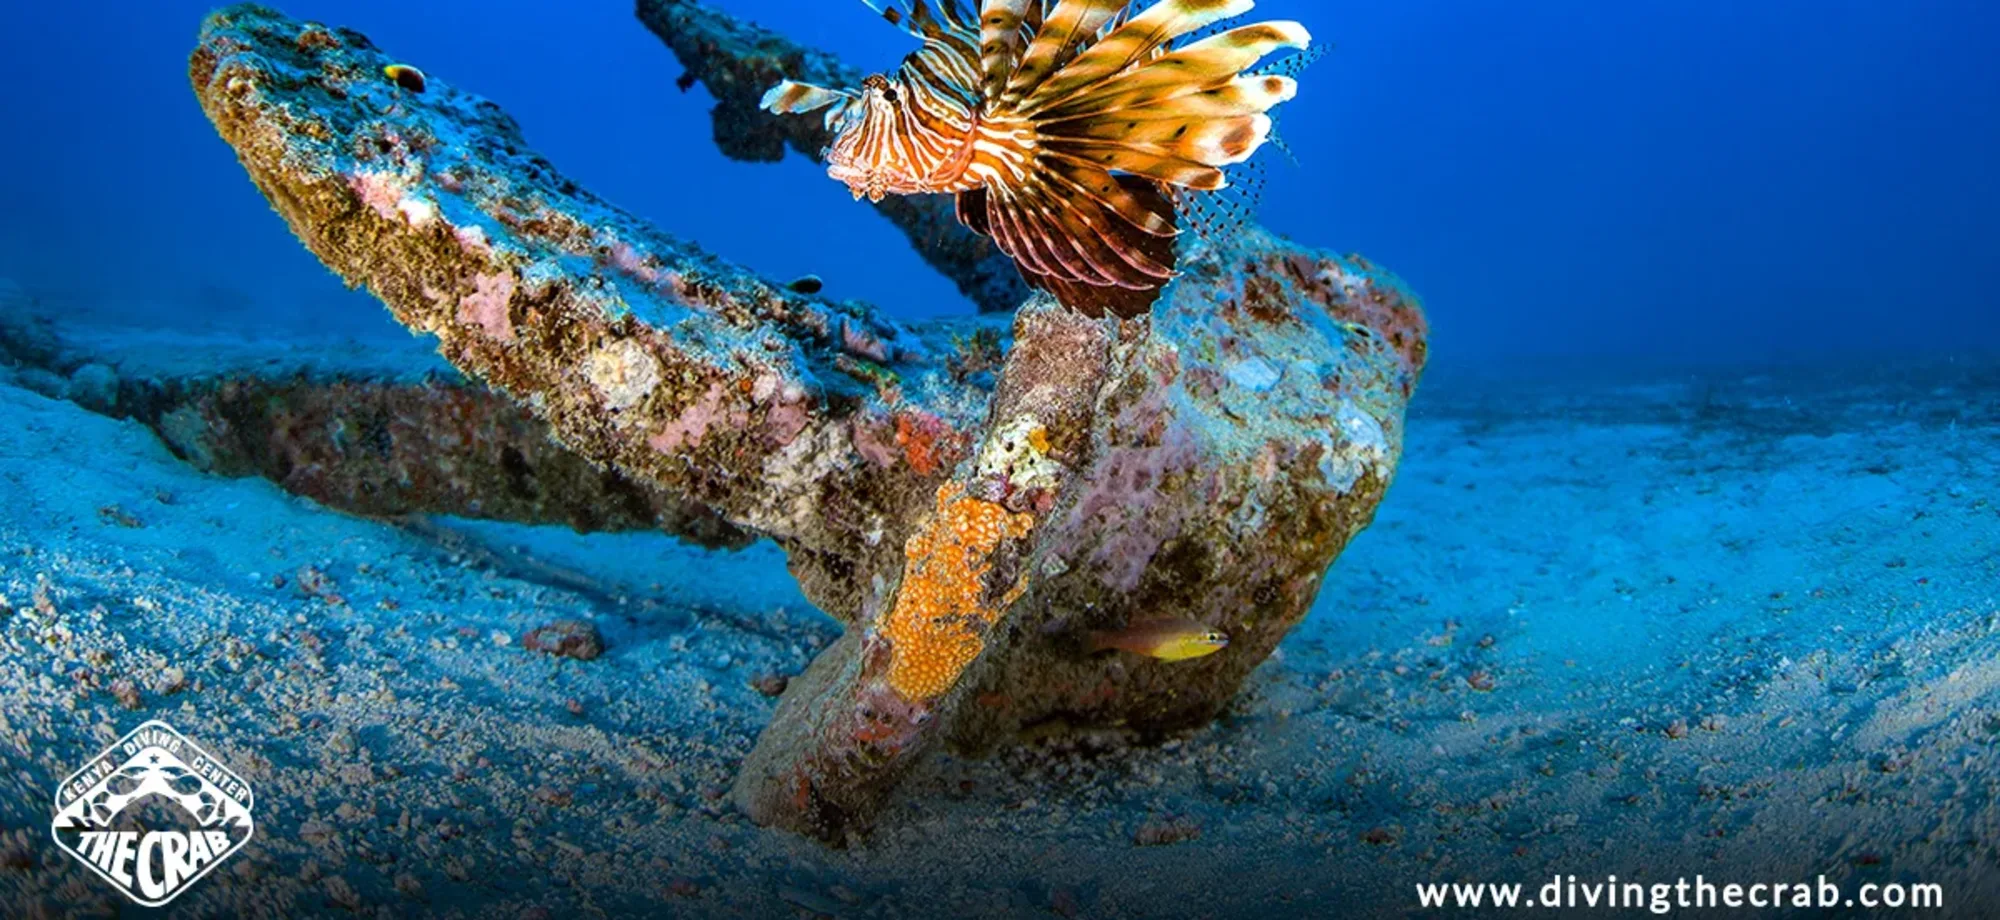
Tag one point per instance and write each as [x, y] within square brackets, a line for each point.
[1208, 461]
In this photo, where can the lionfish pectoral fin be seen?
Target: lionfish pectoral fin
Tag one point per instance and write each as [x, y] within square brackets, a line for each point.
[792, 98]
[1073, 237]
[1180, 117]
[972, 211]
[1096, 302]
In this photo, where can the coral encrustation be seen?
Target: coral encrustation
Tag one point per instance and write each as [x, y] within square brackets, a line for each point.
[945, 604]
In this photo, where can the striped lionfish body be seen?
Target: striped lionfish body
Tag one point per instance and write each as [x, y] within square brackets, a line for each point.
[1064, 127]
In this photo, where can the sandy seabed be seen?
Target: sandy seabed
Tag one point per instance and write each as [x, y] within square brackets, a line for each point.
[1650, 624]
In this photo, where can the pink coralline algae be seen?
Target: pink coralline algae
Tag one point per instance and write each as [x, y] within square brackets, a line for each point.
[382, 192]
[687, 429]
[387, 195]
[875, 440]
[487, 305]
[473, 238]
[786, 420]
[627, 259]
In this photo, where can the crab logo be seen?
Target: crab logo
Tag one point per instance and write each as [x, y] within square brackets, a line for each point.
[152, 814]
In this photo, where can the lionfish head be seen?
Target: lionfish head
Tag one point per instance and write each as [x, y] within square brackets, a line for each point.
[862, 154]
[862, 122]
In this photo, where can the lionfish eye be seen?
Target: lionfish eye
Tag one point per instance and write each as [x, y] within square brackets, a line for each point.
[891, 94]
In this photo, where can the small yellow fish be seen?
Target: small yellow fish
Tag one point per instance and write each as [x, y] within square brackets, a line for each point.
[1173, 639]
[405, 76]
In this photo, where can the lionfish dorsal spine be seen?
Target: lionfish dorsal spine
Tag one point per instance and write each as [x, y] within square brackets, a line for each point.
[1065, 30]
[920, 19]
[1001, 41]
[1132, 42]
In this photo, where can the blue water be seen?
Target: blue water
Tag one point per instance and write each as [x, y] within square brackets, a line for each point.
[1685, 181]
[1619, 613]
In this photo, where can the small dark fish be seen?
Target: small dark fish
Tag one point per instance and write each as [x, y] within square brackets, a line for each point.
[810, 284]
[405, 76]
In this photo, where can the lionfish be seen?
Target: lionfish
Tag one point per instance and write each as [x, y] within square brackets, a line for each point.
[1067, 129]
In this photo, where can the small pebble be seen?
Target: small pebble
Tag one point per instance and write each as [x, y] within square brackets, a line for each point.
[16, 856]
[127, 694]
[169, 681]
[95, 387]
[577, 639]
[341, 893]
[112, 514]
[1063, 903]
[1167, 831]
[410, 887]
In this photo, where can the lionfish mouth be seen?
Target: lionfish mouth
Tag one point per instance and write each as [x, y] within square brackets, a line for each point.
[864, 183]
[1107, 117]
